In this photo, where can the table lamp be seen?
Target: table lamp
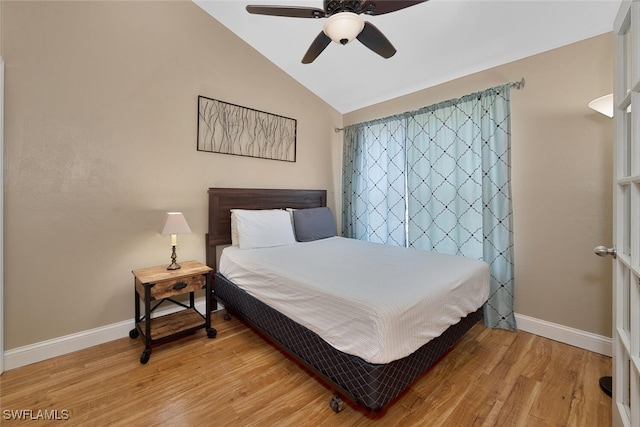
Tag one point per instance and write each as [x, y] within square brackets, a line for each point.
[174, 224]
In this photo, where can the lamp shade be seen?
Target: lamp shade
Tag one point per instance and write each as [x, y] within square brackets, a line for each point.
[603, 105]
[175, 223]
[343, 27]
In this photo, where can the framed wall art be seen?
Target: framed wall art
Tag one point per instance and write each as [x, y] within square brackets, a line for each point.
[232, 129]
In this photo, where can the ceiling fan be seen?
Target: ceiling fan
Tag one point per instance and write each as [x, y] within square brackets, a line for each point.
[343, 23]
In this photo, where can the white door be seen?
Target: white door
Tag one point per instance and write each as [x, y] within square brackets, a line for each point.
[626, 223]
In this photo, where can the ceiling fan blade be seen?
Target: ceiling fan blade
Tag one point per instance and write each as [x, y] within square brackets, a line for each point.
[288, 11]
[372, 37]
[316, 48]
[380, 7]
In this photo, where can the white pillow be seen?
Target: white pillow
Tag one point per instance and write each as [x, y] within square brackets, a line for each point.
[263, 228]
[235, 240]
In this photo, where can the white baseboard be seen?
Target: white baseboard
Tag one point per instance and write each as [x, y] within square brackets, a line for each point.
[44, 350]
[575, 337]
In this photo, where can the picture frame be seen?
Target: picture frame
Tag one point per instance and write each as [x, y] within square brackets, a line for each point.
[227, 128]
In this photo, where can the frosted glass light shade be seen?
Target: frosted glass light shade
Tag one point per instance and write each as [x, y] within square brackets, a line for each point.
[603, 105]
[343, 27]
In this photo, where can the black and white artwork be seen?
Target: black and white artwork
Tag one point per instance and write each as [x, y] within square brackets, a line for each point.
[231, 129]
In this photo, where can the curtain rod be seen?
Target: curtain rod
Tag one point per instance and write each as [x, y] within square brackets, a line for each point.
[518, 85]
[515, 85]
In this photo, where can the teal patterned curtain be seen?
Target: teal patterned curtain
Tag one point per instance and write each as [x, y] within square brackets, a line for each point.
[448, 167]
[374, 177]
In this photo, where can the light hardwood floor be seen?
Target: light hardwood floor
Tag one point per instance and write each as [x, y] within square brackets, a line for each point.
[491, 378]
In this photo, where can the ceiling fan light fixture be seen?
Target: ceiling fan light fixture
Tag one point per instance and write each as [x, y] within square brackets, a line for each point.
[343, 27]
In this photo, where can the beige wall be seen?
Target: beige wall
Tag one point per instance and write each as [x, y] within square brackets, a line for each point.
[0, 28]
[561, 177]
[101, 101]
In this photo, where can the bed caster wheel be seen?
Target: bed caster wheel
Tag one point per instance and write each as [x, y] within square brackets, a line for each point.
[212, 333]
[133, 334]
[336, 404]
[144, 357]
[227, 316]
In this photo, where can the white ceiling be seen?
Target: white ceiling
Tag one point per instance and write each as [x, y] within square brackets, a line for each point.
[436, 41]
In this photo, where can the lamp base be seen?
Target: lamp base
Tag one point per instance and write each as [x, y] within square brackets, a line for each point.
[174, 265]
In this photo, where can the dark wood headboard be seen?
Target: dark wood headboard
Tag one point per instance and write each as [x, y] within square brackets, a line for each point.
[222, 200]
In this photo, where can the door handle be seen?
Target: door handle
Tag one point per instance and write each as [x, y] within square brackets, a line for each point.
[604, 251]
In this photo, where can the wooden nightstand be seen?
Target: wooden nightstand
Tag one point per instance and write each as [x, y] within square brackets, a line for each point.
[159, 284]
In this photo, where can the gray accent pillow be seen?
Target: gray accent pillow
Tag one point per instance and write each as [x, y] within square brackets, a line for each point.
[313, 224]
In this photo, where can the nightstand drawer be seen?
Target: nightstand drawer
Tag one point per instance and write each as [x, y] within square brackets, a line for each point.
[183, 285]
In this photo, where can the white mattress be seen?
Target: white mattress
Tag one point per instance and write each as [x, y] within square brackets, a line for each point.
[374, 301]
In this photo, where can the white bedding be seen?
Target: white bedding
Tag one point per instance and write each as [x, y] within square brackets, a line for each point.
[374, 301]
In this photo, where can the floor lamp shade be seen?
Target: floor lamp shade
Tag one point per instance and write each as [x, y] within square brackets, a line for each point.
[603, 105]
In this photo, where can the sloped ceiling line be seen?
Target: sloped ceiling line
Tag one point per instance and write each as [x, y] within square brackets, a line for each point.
[437, 41]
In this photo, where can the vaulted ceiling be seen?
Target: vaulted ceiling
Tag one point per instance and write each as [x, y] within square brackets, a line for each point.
[436, 41]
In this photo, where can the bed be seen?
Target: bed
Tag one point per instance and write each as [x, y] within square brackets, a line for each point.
[369, 361]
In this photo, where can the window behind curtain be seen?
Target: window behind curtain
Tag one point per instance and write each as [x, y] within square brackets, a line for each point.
[438, 179]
